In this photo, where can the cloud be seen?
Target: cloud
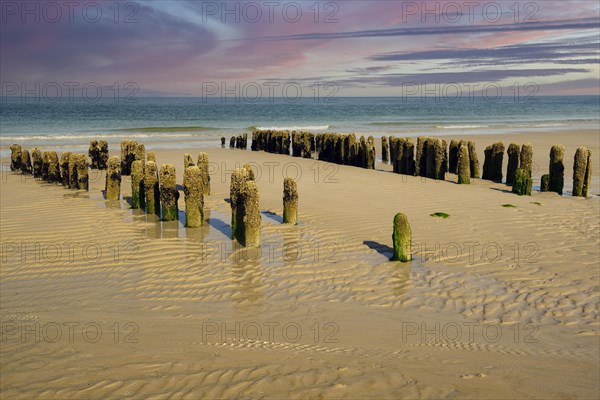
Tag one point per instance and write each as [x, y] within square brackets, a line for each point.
[489, 76]
[578, 24]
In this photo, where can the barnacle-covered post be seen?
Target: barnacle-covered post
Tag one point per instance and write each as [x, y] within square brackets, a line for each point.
[290, 201]
[15, 157]
[151, 189]
[513, 153]
[168, 193]
[113, 179]
[194, 198]
[402, 239]
[137, 184]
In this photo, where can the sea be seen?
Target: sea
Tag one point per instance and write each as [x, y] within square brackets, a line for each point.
[180, 122]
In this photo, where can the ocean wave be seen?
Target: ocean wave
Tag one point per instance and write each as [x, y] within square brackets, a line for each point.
[461, 126]
[167, 129]
[291, 128]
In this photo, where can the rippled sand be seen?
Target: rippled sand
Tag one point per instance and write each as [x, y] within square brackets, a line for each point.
[498, 303]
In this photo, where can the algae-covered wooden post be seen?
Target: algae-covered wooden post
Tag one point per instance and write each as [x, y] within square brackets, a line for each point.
[557, 169]
[94, 154]
[402, 239]
[526, 158]
[223, 141]
[25, 162]
[545, 183]
[513, 153]
[587, 180]
[497, 159]
[53, 167]
[113, 178]
[187, 161]
[151, 188]
[238, 178]
[203, 165]
[81, 165]
[453, 156]
[103, 156]
[248, 168]
[73, 184]
[64, 167]
[473, 160]
[385, 150]
[168, 193]
[137, 184]
[194, 198]
[248, 216]
[580, 165]
[463, 164]
[232, 142]
[290, 201]
[36, 162]
[45, 161]
[16, 154]
[523, 183]
[151, 156]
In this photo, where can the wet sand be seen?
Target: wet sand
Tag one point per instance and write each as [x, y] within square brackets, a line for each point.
[99, 301]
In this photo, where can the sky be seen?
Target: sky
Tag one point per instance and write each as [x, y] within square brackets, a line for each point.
[307, 48]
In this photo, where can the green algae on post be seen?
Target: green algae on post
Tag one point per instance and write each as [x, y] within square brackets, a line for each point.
[523, 183]
[137, 184]
[81, 165]
[151, 189]
[64, 167]
[151, 156]
[439, 215]
[238, 179]
[194, 198]
[580, 164]
[513, 153]
[545, 183]
[248, 223]
[73, 171]
[526, 158]
[25, 162]
[203, 165]
[113, 178]
[290, 201]
[402, 239]
[473, 160]
[168, 193]
[36, 162]
[463, 165]
[54, 167]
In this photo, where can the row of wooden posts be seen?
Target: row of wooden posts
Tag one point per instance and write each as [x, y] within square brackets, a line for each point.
[433, 158]
[155, 191]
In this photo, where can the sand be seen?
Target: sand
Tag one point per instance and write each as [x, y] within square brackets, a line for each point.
[499, 302]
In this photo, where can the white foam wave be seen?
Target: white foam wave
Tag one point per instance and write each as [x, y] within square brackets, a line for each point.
[294, 128]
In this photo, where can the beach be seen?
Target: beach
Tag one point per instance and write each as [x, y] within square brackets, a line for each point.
[501, 299]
